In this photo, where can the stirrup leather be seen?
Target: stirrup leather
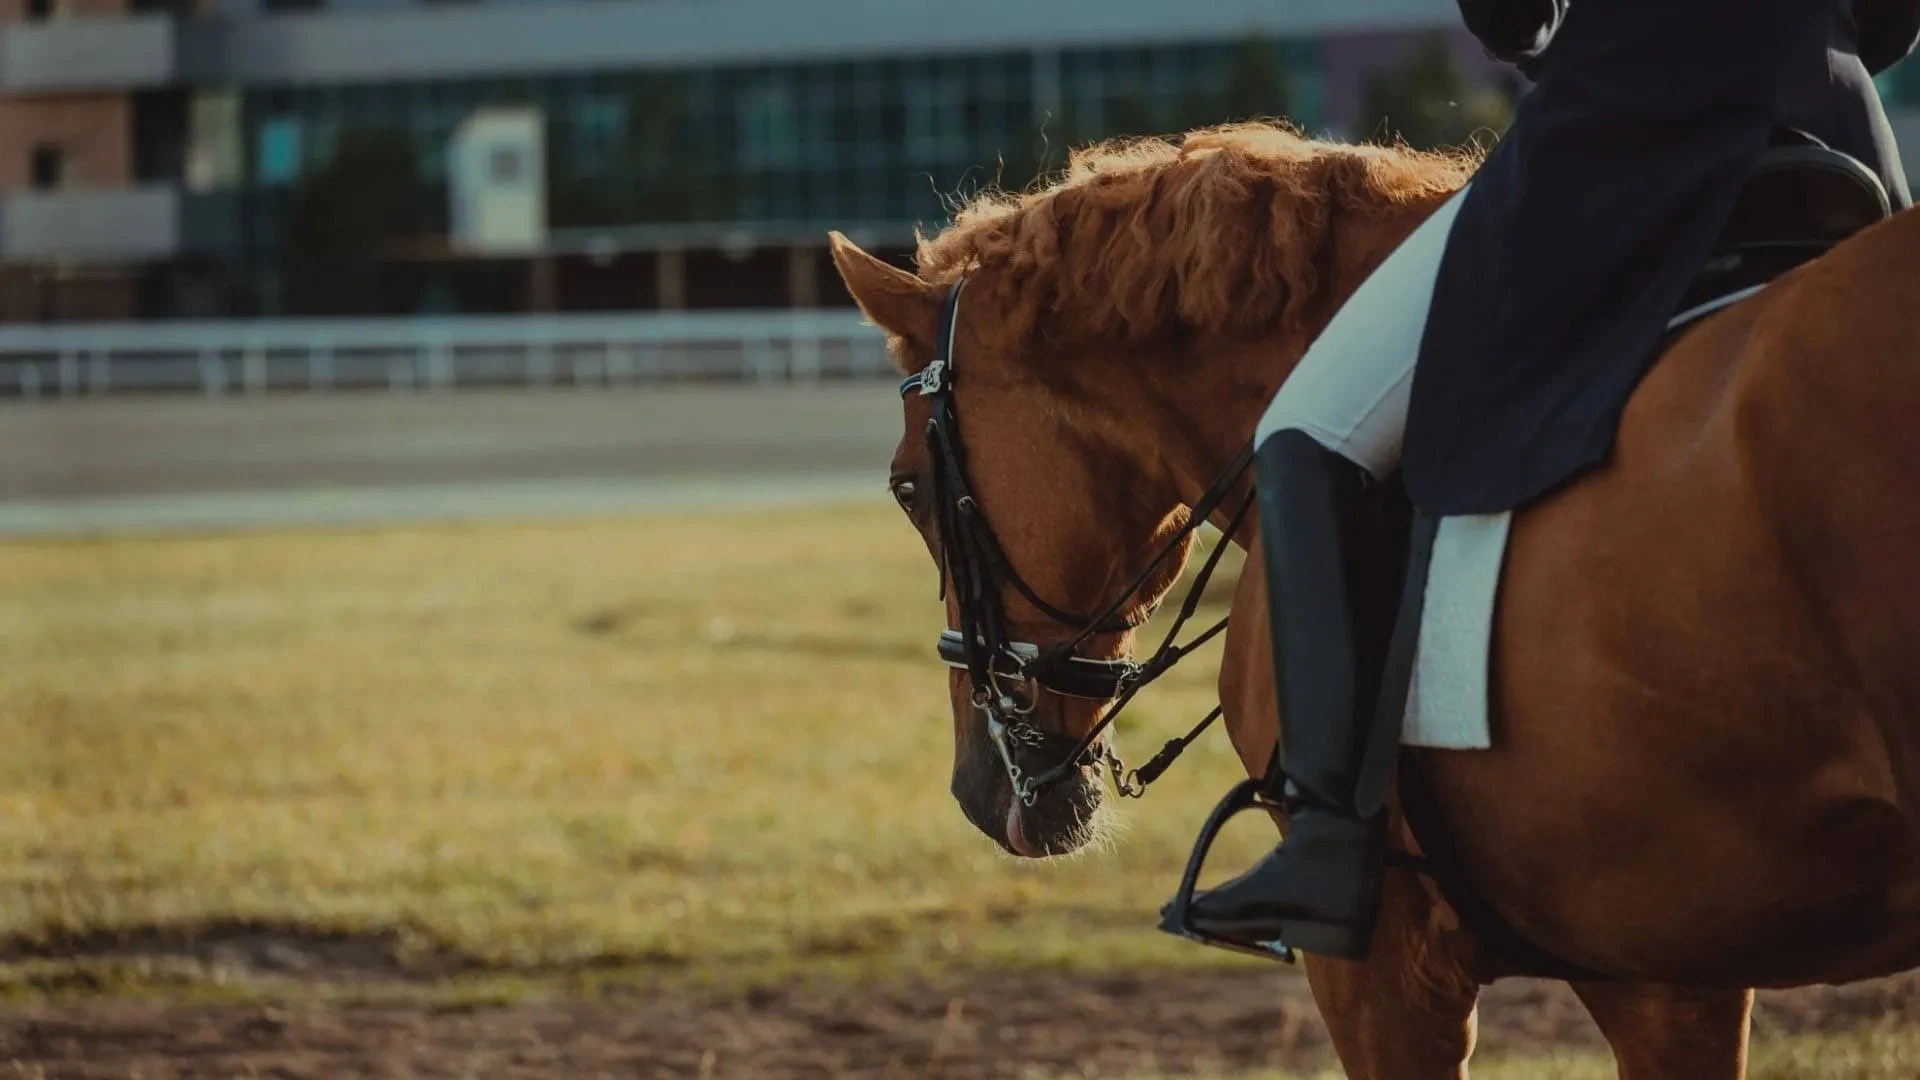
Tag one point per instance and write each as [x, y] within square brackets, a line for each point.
[1246, 795]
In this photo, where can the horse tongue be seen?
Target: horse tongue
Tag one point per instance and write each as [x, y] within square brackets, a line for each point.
[1016, 832]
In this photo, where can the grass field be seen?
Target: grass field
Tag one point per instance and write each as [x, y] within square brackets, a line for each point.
[518, 761]
[715, 746]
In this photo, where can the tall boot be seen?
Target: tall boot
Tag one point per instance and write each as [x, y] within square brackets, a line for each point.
[1319, 889]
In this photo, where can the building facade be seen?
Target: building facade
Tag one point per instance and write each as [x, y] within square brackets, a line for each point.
[82, 201]
[259, 157]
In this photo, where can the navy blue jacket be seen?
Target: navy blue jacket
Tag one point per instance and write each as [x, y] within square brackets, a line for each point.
[1600, 204]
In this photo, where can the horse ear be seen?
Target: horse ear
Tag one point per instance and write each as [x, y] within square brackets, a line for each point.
[892, 299]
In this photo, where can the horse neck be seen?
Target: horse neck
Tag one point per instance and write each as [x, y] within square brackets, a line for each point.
[1203, 403]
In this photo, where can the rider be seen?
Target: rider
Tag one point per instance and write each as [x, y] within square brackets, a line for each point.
[1532, 302]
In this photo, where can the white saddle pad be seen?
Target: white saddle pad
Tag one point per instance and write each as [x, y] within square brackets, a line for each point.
[1452, 685]
[1447, 699]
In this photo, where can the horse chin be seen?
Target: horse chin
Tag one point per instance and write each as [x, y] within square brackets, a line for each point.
[1065, 818]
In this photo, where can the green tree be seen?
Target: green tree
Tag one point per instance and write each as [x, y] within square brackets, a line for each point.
[1057, 137]
[342, 215]
[682, 170]
[576, 197]
[1131, 113]
[1256, 81]
[664, 169]
[1020, 162]
[1255, 87]
[1425, 101]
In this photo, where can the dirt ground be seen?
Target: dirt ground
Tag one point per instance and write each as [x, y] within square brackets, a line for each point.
[990, 1027]
[170, 445]
[167, 464]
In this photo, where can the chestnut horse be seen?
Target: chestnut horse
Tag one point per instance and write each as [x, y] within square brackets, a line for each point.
[1706, 774]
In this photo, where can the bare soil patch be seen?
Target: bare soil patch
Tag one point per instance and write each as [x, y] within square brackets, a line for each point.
[992, 1026]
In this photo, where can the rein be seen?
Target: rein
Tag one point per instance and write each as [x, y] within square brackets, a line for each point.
[1007, 675]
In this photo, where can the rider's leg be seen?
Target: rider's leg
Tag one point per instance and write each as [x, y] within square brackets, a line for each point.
[1334, 428]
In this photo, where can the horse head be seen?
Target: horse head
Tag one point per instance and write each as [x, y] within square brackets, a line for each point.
[1072, 513]
[1083, 362]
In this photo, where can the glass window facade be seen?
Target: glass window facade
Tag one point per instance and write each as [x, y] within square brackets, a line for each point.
[886, 142]
[879, 140]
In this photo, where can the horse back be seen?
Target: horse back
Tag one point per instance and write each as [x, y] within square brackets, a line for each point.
[1708, 694]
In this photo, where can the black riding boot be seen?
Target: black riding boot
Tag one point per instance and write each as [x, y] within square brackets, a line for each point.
[1319, 890]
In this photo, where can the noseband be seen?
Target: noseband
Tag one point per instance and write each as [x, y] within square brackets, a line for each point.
[1006, 675]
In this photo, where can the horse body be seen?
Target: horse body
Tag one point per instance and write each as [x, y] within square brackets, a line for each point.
[1709, 700]
[1706, 773]
[1705, 768]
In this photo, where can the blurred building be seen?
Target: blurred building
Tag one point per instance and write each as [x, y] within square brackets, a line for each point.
[258, 157]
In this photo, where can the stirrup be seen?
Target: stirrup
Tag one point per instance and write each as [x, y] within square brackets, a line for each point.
[1246, 795]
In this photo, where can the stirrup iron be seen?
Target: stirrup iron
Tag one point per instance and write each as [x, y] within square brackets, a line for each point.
[1246, 795]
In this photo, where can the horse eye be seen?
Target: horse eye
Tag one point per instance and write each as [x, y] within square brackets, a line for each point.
[903, 494]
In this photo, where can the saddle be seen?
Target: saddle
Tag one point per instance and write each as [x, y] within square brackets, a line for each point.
[1803, 198]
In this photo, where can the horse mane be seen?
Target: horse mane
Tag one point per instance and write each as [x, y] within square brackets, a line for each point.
[1222, 232]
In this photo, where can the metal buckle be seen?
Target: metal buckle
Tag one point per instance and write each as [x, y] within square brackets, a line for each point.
[933, 378]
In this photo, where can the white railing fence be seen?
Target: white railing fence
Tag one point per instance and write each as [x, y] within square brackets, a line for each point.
[433, 353]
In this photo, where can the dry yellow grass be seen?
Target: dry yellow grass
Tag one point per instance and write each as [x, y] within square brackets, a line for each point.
[717, 745]
[714, 747]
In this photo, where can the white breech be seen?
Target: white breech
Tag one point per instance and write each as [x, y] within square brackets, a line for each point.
[1349, 394]
[1350, 391]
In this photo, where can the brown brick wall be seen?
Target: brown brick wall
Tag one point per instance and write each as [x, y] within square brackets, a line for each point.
[95, 130]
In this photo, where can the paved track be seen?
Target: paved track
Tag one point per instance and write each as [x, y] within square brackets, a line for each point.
[140, 464]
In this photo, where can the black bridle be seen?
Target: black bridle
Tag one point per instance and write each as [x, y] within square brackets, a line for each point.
[1007, 675]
